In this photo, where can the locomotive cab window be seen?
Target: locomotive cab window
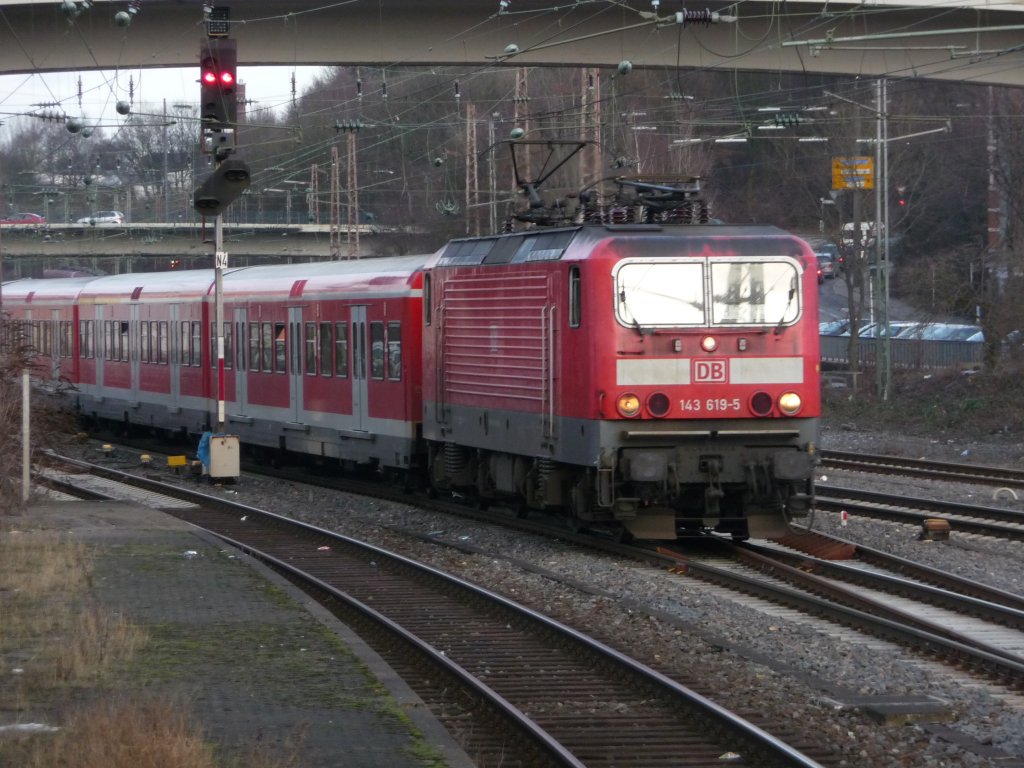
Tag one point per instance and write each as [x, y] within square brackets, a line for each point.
[701, 292]
[755, 292]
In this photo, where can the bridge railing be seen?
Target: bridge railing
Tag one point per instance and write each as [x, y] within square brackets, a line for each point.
[904, 353]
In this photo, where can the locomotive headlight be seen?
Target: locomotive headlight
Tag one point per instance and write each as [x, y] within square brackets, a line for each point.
[628, 405]
[789, 403]
[709, 343]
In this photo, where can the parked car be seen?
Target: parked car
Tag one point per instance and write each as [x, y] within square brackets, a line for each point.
[943, 332]
[955, 332]
[834, 328]
[33, 219]
[102, 217]
[875, 330]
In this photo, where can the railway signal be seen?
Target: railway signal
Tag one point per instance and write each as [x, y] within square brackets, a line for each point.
[222, 187]
[218, 59]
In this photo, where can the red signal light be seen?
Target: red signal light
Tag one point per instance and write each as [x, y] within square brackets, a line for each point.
[209, 77]
[226, 78]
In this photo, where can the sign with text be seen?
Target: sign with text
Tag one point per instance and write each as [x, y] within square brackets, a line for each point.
[853, 173]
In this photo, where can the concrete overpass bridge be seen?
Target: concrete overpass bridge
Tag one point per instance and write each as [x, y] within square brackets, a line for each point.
[979, 41]
[29, 251]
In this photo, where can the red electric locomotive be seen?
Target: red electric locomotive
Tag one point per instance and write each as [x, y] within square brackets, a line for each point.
[652, 376]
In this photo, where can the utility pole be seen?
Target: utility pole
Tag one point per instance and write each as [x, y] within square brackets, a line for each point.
[883, 362]
[520, 116]
[472, 174]
[335, 203]
[590, 99]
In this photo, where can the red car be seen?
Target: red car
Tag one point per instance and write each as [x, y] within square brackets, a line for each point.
[33, 219]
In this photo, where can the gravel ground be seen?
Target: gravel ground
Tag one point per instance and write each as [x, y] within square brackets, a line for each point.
[748, 658]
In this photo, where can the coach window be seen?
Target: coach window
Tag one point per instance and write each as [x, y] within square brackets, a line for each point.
[280, 348]
[326, 340]
[196, 347]
[426, 299]
[144, 345]
[123, 344]
[153, 342]
[65, 338]
[267, 347]
[310, 347]
[254, 346]
[575, 297]
[377, 350]
[108, 339]
[239, 346]
[395, 351]
[184, 334]
[162, 340]
[84, 339]
[229, 345]
[341, 350]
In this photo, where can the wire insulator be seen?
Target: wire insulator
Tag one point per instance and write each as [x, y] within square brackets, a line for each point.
[686, 18]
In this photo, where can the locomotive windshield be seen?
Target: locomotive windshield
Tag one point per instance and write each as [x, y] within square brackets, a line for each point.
[703, 292]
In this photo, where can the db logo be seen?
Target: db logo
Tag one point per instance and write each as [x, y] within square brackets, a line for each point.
[710, 370]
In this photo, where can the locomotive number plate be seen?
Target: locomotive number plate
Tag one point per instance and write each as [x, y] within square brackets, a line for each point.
[709, 405]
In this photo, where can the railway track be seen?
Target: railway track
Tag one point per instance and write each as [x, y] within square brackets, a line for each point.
[985, 638]
[962, 518]
[936, 470]
[560, 698]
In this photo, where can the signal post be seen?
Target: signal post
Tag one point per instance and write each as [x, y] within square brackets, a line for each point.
[218, 57]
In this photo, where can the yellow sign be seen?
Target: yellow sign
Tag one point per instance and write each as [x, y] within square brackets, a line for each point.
[853, 173]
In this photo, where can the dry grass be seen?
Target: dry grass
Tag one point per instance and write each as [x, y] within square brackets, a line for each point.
[64, 646]
[48, 619]
[120, 734]
[59, 640]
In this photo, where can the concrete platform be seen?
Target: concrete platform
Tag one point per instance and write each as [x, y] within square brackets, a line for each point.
[256, 659]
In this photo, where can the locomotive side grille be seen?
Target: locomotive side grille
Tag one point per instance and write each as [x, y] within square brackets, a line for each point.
[496, 338]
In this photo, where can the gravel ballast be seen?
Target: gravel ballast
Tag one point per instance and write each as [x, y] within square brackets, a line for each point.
[748, 656]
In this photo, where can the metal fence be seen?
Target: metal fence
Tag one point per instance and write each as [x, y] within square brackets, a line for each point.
[905, 353]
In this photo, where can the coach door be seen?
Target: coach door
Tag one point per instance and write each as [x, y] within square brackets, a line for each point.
[296, 394]
[240, 348]
[100, 342]
[58, 345]
[360, 386]
[174, 358]
[133, 351]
